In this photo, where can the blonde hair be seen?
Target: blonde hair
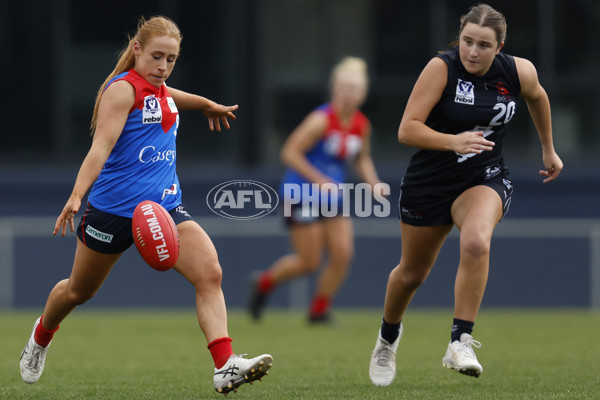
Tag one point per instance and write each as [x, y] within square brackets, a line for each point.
[146, 30]
[353, 64]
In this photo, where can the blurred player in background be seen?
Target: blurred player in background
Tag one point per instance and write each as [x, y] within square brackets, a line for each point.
[457, 116]
[319, 151]
[132, 158]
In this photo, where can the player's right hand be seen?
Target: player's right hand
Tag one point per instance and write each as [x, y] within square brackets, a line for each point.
[472, 142]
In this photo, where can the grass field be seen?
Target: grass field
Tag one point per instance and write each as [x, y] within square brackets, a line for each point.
[161, 354]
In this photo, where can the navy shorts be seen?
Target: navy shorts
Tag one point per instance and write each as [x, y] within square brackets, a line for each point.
[110, 233]
[310, 216]
[422, 210]
[296, 217]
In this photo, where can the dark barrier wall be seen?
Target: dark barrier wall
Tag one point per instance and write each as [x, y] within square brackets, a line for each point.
[547, 268]
[523, 272]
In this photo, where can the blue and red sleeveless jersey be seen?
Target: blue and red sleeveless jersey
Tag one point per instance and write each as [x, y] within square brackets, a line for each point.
[337, 148]
[141, 165]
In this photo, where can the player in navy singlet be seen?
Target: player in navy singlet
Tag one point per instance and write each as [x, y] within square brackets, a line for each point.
[457, 116]
[320, 151]
[132, 158]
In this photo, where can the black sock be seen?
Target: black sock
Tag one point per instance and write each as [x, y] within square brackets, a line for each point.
[460, 326]
[390, 332]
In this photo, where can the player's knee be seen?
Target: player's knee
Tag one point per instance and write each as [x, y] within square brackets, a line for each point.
[475, 246]
[78, 297]
[310, 264]
[210, 275]
[342, 259]
[408, 278]
[413, 281]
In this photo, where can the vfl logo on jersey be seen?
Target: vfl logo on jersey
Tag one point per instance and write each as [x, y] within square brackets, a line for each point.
[464, 93]
[152, 113]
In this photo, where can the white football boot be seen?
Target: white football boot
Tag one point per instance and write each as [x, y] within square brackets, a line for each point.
[382, 369]
[238, 370]
[461, 357]
[33, 359]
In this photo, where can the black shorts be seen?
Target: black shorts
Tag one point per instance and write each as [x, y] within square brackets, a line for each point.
[419, 210]
[296, 217]
[110, 233]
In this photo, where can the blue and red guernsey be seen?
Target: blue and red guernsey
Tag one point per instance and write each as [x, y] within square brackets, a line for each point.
[336, 150]
[141, 165]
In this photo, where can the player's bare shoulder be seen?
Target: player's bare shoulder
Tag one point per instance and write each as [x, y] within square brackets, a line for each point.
[528, 77]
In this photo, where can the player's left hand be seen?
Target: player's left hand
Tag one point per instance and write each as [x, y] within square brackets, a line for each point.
[217, 114]
[554, 166]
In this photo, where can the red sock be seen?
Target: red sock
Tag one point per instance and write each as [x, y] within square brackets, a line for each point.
[320, 305]
[266, 282]
[221, 350]
[42, 335]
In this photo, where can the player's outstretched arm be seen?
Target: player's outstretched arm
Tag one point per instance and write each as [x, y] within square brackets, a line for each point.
[216, 113]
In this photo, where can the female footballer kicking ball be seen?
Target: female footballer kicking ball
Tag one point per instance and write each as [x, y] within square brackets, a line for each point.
[132, 159]
[457, 116]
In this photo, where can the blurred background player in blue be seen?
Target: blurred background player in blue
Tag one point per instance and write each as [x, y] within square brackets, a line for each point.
[319, 151]
[132, 158]
[457, 116]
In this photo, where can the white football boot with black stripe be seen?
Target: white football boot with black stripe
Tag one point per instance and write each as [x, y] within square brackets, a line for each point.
[461, 357]
[238, 370]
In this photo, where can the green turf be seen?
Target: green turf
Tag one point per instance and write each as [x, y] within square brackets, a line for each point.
[161, 354]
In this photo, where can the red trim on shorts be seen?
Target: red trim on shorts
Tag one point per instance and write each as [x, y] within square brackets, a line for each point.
[82, 225]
